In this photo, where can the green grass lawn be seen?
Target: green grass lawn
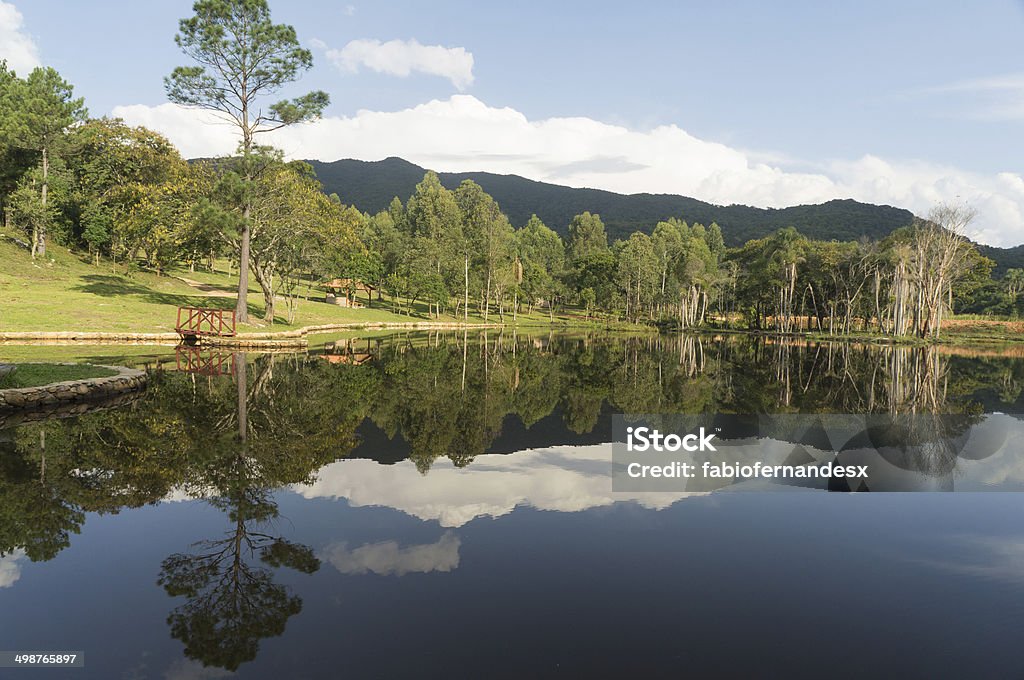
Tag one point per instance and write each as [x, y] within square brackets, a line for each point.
[113, 354]
[67, 292]
[33, 375]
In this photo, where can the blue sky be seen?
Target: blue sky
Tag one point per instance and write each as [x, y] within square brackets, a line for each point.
[763, 103]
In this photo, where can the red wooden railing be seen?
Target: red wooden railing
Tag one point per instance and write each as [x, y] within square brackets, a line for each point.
[194, 359]
[198, 321]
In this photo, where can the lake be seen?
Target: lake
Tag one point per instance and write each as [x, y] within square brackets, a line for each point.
[441, 505]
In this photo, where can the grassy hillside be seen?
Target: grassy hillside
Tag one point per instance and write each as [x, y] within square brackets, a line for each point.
[66, 292]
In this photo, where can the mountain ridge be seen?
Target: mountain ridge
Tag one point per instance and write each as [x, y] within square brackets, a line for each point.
[371, 185]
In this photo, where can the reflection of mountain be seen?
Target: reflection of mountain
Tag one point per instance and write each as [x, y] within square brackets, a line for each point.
[551, 430]
[572, 479]
[568, 479]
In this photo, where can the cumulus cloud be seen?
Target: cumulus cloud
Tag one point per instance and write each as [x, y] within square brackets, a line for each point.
[462, 134]
[387, 558]
[16, 46]
[10, 570]
[402, 58]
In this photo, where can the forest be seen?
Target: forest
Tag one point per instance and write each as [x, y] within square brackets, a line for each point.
[124, 197]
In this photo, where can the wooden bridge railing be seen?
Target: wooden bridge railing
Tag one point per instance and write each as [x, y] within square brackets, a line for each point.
[194, 322]
[211, 362]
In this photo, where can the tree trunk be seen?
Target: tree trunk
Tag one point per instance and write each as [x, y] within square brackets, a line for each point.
[265, 279]
[41, 248]
[242, 305]
[487, 296]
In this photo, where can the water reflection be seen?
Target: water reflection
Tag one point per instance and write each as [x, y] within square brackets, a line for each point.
[453, 397]
[444, 428]
[231, 601]
[388, 558]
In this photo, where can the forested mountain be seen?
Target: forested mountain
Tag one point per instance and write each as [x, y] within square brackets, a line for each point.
[1005, 258]
[370, 186]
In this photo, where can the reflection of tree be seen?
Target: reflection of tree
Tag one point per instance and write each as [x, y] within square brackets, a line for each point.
[447, 396]
[232, 603]
[916, 379]
[34, 515]
[176, 436]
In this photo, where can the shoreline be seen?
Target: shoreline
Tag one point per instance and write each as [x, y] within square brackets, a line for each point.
[276, 338]
[297, 338]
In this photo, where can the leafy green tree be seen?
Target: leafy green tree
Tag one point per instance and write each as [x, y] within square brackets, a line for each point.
[163, 220]
[35, 115]
[432, 220]
[384, 243]
[487, 239]
[113, 165]
[242, 57]
[542, 253]
[595, 271]
[637, 274]
[716, 243]
[586, 236]
[1014, 282]
[14, 162]
[667, 241]
[295, 227]
[696, 269]
[786, 251]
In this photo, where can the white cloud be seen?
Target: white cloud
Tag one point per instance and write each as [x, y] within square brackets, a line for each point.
[402, 58]
[996, 98]
[16, 46]
[463, 133]
[387, 558]
[10, 570]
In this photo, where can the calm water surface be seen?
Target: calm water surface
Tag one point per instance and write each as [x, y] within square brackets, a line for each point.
[441, 506]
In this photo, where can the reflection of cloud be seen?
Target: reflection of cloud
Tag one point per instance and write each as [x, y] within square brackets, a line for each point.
[388, 558]
[10, 570]
[567, 479]
[997, 558]
[997, 459]
[187, 669]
